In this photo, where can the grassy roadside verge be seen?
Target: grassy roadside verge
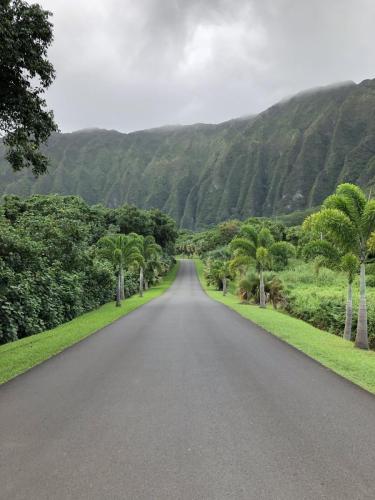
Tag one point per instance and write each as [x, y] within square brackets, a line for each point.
[331, 351]
[18, 357]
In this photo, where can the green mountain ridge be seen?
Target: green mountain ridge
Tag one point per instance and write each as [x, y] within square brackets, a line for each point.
[287, 158]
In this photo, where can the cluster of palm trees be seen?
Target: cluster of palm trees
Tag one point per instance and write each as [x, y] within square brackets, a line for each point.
[343, 238]
[131, 252]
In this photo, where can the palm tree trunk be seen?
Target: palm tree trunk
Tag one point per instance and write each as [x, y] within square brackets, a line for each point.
[141, 282]
[349, 314]
[262, 295]
[122, 284]
[361, 339]
[118, 290]
[224, 286]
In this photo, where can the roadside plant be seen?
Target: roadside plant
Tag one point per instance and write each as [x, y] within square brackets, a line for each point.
[249, 288]
[347, 221]
[150, 251]
[217, 273]
[124, 253]
[326, 255]
[259, 248]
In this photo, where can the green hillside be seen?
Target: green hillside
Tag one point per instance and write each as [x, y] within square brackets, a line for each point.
[288, 158]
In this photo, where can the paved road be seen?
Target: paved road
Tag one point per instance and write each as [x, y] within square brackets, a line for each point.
[184, 399]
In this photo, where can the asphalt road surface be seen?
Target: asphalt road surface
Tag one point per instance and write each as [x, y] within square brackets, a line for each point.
[184, 399]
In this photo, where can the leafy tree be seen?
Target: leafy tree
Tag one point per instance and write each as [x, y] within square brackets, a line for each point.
[131, 219]
[124, 252]
[347, 220]
[164, 230]
[25, 73]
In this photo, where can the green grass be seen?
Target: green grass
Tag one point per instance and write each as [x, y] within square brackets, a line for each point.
[21, 355]
[331, 351]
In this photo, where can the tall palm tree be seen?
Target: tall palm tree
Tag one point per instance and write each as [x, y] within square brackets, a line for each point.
[253, 246]
[150, 250]
[347, 219]
[326, 255]
[124, 252]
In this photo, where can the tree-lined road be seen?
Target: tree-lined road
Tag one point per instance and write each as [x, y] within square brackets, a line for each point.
[184, 399]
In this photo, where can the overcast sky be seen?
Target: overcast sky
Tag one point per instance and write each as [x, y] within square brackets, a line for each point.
[135, 64]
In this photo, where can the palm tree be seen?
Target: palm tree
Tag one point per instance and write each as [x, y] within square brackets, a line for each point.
[124, 252]
[150, 250]
[258, 247]
[326, 255]
[249, 287]
[224, 274]
[347, 220]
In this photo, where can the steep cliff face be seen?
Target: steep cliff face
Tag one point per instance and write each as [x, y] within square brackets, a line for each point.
[287, 158]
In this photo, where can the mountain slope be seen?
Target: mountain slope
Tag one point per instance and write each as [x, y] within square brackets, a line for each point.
[287, 158]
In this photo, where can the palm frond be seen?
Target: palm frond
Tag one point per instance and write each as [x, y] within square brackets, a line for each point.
[355, 194]
[336, 227]
[265, 238]
[368, 219]
[240, 261]
[243, 245]
[322, 248]
[250, 233]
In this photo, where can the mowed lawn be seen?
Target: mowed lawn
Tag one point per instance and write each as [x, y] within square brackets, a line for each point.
[332, 351]
[21, 355]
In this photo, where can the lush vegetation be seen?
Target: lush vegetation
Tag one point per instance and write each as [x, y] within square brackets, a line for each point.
[287, 158]
[17, 357]
[331, 351]
[311, 272]
[55, 263]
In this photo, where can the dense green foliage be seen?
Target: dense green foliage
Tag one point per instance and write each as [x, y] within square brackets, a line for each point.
[51, 266]
[25, 73]
[287, 158]
[324, 291]
[17, 357]
[321, 298]
[347, 222]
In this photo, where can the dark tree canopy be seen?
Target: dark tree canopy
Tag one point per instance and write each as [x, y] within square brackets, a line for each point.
[25, 73]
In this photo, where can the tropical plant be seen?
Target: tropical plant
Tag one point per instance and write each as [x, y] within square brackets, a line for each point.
[217, 273]
[249, 288]
[149, 250]
[259, 247]
[224, 273]
[124, 252]
[347, 221]
[326, 255]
